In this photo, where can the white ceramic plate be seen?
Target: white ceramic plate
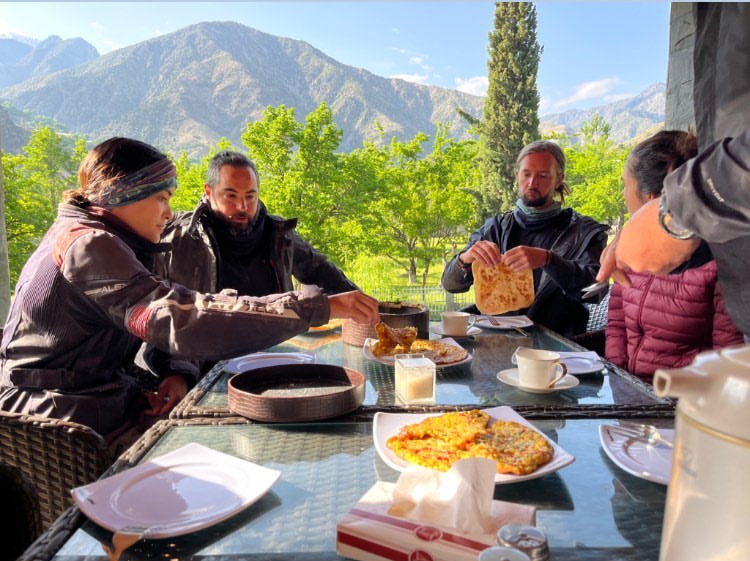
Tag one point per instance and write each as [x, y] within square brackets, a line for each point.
[510, 377]
[438, 330]
[386, 425]
[367, 350]
[577, 362]
[180, 492]
[582, 363]
[650, 462]
[259, 360]
[504, 322]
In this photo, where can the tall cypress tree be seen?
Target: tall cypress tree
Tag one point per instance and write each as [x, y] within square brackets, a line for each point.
[510, 119]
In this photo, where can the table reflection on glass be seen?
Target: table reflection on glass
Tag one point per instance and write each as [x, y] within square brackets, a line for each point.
[473, 384]
[589, 510]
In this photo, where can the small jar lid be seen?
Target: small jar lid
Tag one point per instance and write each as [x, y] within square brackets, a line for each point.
[499, 553]
[529, 539]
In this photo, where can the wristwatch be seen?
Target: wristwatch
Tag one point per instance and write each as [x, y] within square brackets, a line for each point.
[670, 225]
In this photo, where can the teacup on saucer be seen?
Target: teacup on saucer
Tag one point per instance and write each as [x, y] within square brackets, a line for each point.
[510, 377]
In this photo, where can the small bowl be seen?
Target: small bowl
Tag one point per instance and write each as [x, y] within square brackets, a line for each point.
[296, 392]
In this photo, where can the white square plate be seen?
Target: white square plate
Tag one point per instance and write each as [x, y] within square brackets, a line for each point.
[186, 490]
[386, 425]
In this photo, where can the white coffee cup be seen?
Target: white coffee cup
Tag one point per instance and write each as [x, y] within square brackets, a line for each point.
[539, 369]
[457, 323]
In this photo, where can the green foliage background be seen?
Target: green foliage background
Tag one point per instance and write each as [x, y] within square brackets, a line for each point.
[390, 215]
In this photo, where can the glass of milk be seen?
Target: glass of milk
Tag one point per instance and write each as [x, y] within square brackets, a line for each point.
[415, 379]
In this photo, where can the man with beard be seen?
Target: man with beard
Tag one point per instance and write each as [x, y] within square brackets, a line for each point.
[230, 241]
[561, 246]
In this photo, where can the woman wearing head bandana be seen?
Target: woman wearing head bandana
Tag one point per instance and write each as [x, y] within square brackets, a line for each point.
[87, 299]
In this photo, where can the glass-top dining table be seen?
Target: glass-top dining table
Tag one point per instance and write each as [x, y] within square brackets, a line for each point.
[604, 390]
[590, 509]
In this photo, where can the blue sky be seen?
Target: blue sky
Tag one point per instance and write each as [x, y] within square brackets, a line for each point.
[594, 52]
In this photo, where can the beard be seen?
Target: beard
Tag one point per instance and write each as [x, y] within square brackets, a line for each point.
[537, 202]
[235, 228]
[238, 229]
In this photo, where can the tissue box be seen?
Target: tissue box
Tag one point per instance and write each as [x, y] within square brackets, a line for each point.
[368, 533]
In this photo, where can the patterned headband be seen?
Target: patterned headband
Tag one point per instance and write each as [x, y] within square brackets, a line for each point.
[139, 185]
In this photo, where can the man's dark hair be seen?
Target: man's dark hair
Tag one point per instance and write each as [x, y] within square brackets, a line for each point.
[228, 158]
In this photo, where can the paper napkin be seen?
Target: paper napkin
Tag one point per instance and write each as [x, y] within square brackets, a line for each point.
[459, 498]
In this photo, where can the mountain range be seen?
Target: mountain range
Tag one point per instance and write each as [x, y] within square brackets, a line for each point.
[186, 90]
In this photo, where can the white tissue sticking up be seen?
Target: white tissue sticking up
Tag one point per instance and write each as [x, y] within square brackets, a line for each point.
[459, 498]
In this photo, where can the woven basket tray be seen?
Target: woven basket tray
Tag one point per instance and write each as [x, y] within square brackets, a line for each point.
[296, 392]
[395, 314]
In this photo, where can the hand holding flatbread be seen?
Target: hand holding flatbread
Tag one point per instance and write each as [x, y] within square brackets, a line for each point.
[498, 289]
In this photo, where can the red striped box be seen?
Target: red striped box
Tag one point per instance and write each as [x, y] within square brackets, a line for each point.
[368, 533]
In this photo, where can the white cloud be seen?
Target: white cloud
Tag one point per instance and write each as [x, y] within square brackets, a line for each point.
[587, 91]
[6, 29]
[476, 85]
[416, 78]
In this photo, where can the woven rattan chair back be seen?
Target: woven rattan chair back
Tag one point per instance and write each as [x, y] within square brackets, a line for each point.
[53, 456]
[594, 338]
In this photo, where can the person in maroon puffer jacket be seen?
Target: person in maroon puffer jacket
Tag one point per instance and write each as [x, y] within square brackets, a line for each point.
[663, 321]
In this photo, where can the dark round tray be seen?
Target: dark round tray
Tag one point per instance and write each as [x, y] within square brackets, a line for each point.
[296, 392]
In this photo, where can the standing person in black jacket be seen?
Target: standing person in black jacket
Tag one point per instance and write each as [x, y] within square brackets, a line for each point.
[561, 246]
[230, 241]
[708, 197]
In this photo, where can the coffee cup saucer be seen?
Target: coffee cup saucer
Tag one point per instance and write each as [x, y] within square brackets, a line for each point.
[510, 377]
[438, 330]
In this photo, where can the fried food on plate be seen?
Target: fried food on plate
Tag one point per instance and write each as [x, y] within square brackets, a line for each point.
[438, 442]
[403, 340]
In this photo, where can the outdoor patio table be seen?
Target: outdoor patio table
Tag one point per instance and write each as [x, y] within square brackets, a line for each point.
[472, 384]
[589, 510]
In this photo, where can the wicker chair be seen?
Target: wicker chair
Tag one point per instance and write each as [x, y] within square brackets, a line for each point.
[49, 457]
[594, 339]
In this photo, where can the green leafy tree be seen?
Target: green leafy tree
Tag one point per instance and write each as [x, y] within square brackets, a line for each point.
[5, 287]
[34, 184]
[424, 203]
[594, 170]
[303, 176]
[510, 119]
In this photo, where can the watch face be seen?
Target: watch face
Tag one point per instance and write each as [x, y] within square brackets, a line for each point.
[669, 225]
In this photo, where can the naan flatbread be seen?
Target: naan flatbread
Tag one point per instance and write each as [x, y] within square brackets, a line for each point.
[498, 289]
